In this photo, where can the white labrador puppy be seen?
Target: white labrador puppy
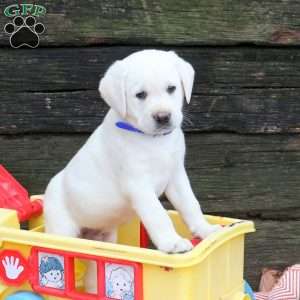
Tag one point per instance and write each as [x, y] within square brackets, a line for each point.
[132, 158]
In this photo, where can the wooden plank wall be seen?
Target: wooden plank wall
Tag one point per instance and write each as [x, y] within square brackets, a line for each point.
[243, 124]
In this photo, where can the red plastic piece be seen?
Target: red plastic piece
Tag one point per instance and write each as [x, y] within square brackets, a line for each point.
[14, 269]
[69, 290]
[14, 196]
[35, 274]
[195, 241]
[144, 238]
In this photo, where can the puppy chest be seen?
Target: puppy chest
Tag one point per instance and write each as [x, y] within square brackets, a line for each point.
[158, 170]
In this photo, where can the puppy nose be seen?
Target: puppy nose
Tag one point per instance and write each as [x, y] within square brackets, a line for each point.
[162, 118]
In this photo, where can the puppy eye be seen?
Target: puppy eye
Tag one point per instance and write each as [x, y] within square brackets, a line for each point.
[171, 89]
[141, 95]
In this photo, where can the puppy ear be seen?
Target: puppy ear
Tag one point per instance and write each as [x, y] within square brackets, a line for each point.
[186, 73]
[112, 87]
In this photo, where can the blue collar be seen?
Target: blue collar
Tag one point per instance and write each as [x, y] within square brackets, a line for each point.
[129, 127]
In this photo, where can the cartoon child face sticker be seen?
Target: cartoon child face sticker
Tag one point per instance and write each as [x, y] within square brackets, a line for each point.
[54, 275]
[51, 271]
[119, 280]
[121, 283]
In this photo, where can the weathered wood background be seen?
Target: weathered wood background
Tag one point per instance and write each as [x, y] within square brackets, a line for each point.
[243, 143]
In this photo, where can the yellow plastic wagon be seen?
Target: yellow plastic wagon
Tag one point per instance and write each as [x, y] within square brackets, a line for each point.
[35, 265]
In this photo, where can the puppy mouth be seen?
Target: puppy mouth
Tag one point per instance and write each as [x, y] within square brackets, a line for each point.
[164, 129]
[157, 129]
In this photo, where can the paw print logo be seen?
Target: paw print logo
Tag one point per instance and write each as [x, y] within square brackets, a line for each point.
[24, 32]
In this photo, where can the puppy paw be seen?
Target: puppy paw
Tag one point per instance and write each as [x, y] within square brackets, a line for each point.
[206, 230]
[179, 245]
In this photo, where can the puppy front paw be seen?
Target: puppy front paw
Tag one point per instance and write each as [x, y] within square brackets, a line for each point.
[178, 245]
[207, 229]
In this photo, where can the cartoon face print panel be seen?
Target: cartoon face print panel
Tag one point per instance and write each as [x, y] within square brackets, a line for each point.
[119, 281]
[51, 270]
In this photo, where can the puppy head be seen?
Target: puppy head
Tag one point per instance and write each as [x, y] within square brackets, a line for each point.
[147, 89]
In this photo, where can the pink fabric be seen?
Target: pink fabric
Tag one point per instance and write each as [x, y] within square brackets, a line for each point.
[261, 296]
[268, 279]
[287, 287]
